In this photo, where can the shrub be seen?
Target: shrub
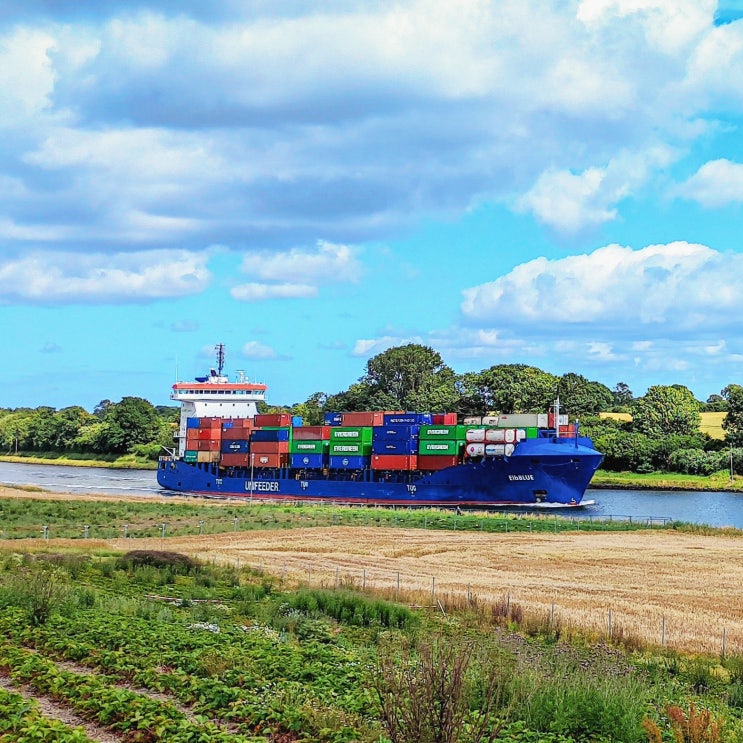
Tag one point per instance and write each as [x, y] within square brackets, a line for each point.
[445, 690]
[176, 562]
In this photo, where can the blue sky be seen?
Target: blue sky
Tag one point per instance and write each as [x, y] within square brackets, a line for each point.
[550, 183]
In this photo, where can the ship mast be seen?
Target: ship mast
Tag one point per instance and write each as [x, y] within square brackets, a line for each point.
[220, 358]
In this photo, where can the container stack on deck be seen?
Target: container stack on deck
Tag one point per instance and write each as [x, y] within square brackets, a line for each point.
[385, 441]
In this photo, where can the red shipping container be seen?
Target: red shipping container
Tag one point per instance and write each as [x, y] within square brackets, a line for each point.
[394, 461]
[269, 447]
[211, 422]
[210, 445]
[371, 418]
[570, 430]
[311, 433]
[235, 460]
[192, 434]
[445, 419]
[209, 433]
[271, 460]
[236, 434]
[432, 462]
[273, 419]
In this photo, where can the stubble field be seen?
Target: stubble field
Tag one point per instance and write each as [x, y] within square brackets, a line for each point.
[661, 586]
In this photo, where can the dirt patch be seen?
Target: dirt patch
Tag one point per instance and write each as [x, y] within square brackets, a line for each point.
[54, 711]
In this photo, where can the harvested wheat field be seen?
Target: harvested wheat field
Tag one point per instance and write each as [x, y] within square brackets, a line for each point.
[658, 585]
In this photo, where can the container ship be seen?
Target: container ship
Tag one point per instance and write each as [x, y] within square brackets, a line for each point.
[226, 448]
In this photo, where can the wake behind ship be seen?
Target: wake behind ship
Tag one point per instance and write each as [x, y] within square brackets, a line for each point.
[225, 448]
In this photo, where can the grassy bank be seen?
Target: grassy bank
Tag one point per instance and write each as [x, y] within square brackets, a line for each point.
[125, 461]
[666, 481]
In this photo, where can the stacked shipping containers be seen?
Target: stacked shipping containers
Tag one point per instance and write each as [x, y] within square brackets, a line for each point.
[309, 447]
[203, 438]
[440, 446]
[392, 440]
[350, 446]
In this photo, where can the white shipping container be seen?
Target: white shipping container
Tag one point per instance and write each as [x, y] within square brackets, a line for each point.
[518, 420]
[510, 435]
[495, 450]
[490, 420]
[497, 435]
[509, 449]
[475, 434]
[472, 420]
[475, 450]
[520, 434]
[542, 420]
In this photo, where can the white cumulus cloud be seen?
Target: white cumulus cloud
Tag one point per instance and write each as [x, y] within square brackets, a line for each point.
[255, 292]
[297, 273]
[257, 351]
[678, 286]
[75, 278]
[717, 183]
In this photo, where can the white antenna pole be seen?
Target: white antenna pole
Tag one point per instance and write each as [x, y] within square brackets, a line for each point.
[557, 417]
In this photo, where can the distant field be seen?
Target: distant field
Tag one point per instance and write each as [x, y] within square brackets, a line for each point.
[711, 422]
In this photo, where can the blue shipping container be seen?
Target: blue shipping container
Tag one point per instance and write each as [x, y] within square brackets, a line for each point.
[192, 422]
[356, 462]
[297, 421]
[395, 433]
[226, 425]
[276, 434]
[395, 446]
[408, 419]
[237, 446]
[333, 419]
[311, 461]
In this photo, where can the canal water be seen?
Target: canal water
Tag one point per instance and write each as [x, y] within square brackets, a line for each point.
[713, 508]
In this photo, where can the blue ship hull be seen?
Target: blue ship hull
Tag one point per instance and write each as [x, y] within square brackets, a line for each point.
[542, 472]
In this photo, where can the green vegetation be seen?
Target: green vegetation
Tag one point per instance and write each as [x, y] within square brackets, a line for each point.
[236, 658]
[23, 518]
[660, 432]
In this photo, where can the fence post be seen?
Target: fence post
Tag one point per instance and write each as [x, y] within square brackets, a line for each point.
[163, 530]
[724, 641]
[86, 531]
[46, 532]
[201, 527]
[126, 531]
[235, 523]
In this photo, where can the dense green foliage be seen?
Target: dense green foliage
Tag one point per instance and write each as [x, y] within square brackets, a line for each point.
[663, 434]
[230, 655]
[132, 425]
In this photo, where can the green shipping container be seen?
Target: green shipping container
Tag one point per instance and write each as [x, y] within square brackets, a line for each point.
[443, 447]
[307, 446]
[351, 434]
[532, 432]
[190, 456]
[350, 448]
[444, 432]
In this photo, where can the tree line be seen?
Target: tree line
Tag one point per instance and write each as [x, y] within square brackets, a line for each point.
[662, 435]
[131, 426]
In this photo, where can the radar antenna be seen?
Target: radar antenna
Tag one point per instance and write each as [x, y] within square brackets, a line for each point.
[220, 357]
